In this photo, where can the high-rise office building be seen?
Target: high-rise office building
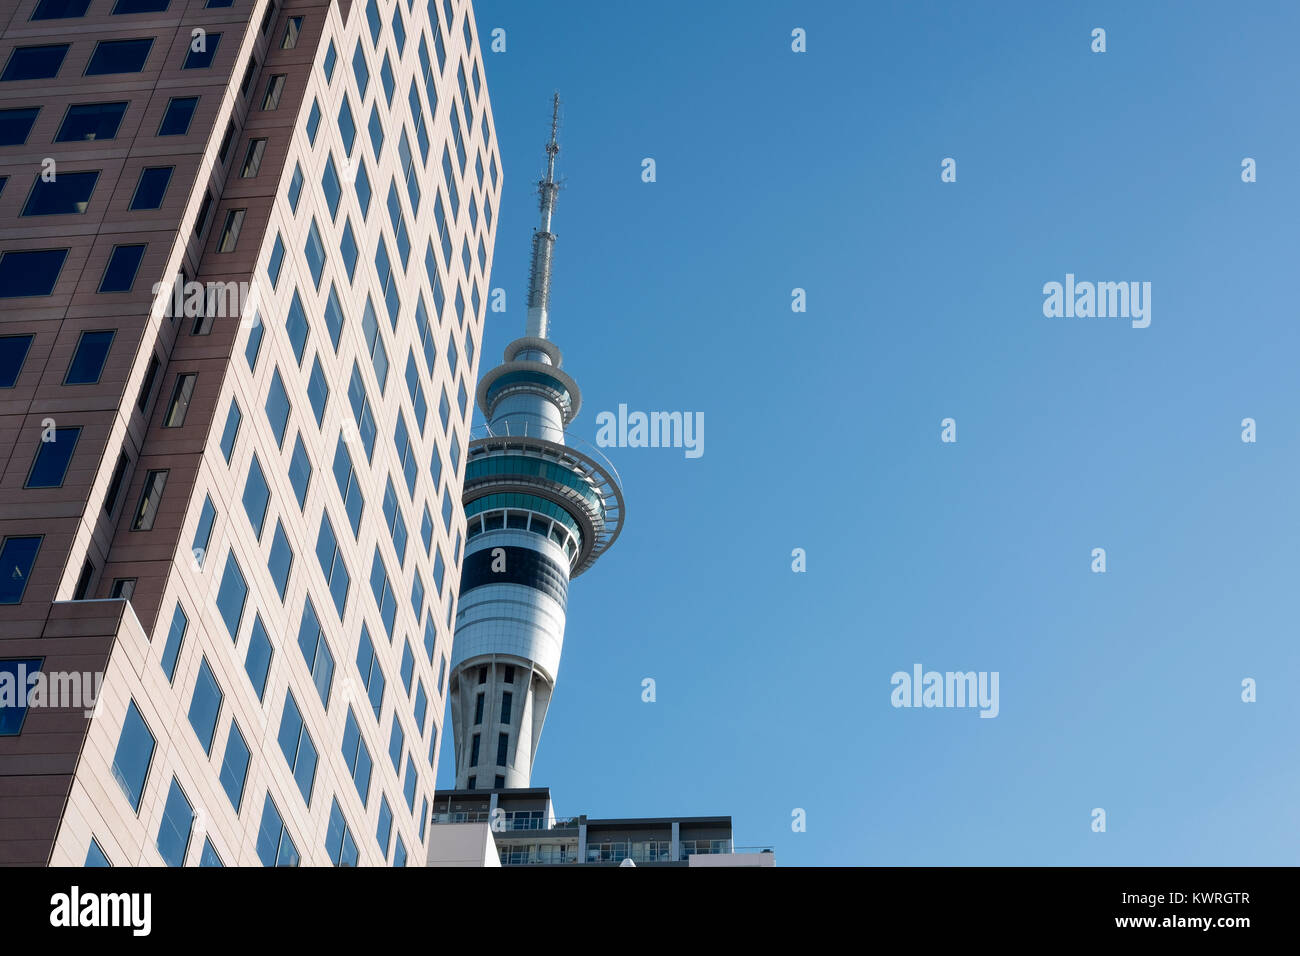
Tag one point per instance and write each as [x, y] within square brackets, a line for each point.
[539, 512]
[244, 259]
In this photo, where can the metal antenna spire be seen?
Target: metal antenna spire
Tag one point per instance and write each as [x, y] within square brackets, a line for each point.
[539, 277]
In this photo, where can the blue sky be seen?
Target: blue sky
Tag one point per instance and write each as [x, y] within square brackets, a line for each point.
[821, 171]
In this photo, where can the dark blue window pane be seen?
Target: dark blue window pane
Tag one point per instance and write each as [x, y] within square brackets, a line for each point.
[330, 183]
[67, 193]
[295, 187]
[134, 754]
[348, 246]
[176, 121]
[140, 6]
[177, 824]
[318, 391]
[151, 188]
[201, 59]
[205, 705]
[257, 497]
[300, 472]
[61, 10]
[175, 638]
[13, 353]
[258, 662]
[119, 56]
[15, 125]
[52, 459]
[334, 317]
[119, 274]
[314, 250]
[254, 345]
[20, 674]
[34, 62]
[91, 121]
[17, 556]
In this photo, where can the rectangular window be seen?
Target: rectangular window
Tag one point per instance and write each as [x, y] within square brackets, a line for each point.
[231, 431]
[122, 56]
[298, 748]
[280, 563]
[17, 675]
[473, 753]
[274, 90]
[372, 675]
[230, 230]
[257, 662]
[503, 744]
[123, 264]
[60, 10]
[331, 564]
[151, 187]
[133, 756]
[175, 640]
[179, 405]
[50, 466]
[179, 113]
[205, 705]
[203, 533]
[278, 408]
[349, 490]
[300, 472]
[253, 158]
[292, 30]
[232, 595]
[478, 708]
[122, 588]
[234, 766]
[274, 845]
[340, 846]
[356, 755]
[201, 220]
[176, 827]
[201, 52]
[150, 495]
[257, 496]
[34, 62]
[140, 6]
[13, 354]
[83, 122]
[316, 652]
[66, 194]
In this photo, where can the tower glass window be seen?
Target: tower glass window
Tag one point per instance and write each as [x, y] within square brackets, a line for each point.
[133, 756]
[91, 121]
[120, 56]
[50, 466]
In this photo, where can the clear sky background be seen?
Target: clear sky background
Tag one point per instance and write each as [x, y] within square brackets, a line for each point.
[821, 171]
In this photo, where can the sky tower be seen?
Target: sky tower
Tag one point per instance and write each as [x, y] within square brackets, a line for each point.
[540, 512]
